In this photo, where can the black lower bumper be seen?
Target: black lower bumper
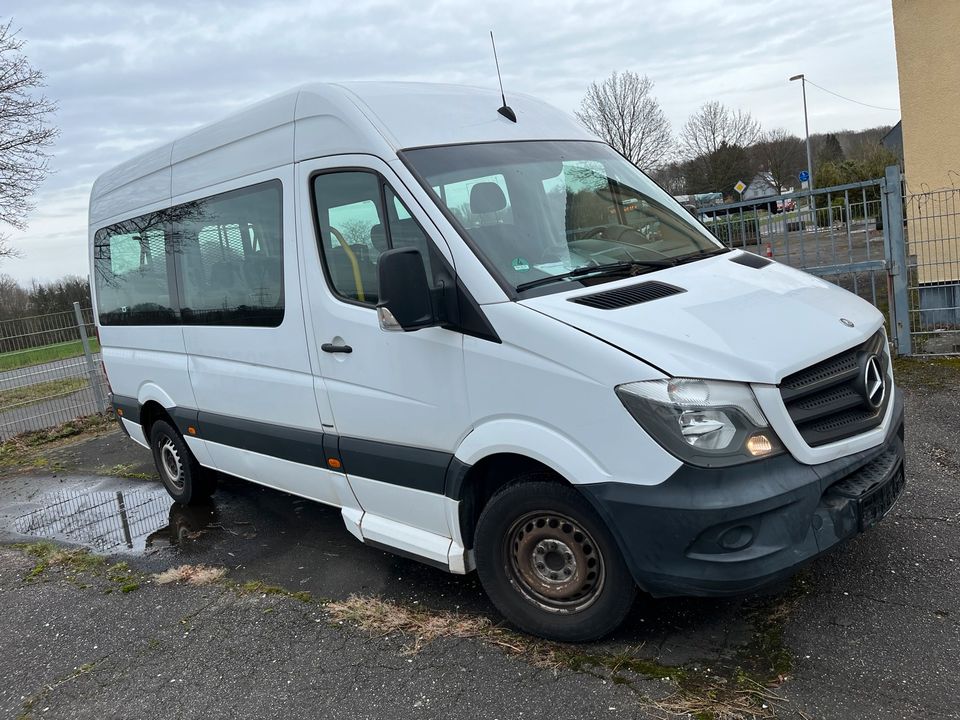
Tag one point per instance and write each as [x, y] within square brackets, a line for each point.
[727, 531]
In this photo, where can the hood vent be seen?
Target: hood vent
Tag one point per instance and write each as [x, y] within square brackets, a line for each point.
[751, 260]
[626, 296]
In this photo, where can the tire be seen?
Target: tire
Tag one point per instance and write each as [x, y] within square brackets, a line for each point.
[550, 565]
[181, 474]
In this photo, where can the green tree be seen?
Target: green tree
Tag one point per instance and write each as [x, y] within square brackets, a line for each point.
[829, 150]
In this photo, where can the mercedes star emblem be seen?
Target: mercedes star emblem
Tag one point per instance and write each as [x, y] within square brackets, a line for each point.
[873, 384]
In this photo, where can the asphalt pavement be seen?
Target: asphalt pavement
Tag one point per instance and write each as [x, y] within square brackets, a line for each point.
[870, 631]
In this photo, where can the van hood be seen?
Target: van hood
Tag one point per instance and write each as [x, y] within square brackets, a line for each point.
[733, 322]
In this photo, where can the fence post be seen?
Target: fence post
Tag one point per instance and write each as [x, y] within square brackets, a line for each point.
[91, 366]
[897, 257]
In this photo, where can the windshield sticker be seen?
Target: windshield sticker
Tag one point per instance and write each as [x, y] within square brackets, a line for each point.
[520, 264]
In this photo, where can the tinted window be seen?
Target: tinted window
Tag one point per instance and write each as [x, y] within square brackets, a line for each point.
[356, 228]
[230, 253]
[131, 272]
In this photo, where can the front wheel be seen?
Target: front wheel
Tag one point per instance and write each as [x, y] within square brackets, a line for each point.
[550, 565]
[181, 474]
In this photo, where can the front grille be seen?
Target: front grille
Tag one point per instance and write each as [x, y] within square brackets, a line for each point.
[829, 401]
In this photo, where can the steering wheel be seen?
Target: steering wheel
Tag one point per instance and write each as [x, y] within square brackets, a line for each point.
[613, 226]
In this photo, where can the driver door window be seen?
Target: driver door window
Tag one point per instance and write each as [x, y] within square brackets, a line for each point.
[360, 218]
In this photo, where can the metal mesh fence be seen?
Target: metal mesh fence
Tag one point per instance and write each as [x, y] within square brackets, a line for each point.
[46, 377]
[933, 248]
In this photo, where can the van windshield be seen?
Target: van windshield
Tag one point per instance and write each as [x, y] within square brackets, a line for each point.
[555, 215]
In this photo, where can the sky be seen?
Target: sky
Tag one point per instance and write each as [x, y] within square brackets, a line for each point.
[131, 75]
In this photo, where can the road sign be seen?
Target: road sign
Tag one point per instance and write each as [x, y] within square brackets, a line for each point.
[804, 176]
[740, 187]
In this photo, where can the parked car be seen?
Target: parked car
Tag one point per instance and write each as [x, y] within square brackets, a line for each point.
[396, 300]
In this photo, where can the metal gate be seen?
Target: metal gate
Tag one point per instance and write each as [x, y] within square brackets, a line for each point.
[843, 234]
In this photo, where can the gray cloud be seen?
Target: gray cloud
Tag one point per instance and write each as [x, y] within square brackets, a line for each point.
[132, 75]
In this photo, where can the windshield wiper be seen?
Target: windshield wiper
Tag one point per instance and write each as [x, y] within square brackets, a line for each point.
[596, 270]
[699, 255]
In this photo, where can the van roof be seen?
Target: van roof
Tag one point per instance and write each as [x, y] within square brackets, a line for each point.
[320, 119]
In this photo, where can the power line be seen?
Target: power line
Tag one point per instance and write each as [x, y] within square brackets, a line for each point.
[844, 97]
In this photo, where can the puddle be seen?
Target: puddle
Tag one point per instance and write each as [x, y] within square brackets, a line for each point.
[114, 520]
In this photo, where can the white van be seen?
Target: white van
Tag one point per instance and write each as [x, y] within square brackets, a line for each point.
[494, 344]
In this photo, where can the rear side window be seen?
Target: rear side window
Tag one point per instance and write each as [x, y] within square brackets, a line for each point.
[230, 253]
[131, 269]
[225, 252]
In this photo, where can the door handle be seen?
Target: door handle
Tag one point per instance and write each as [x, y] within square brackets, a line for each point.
[331, 348]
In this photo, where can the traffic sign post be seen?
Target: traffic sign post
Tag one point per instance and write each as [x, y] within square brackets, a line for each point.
[804, 176]
[740, 187]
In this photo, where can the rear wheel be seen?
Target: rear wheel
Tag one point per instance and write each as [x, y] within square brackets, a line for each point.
[549, 563]
[179, 470]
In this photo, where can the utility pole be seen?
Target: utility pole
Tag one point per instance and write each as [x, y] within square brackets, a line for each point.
[806, 127]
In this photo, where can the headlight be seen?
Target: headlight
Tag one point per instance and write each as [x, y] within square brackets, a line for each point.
[703, 422]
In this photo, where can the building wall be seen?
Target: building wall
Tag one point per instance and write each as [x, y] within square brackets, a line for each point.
[927, 36]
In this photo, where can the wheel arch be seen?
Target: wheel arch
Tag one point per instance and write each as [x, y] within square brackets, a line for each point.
[508, 451]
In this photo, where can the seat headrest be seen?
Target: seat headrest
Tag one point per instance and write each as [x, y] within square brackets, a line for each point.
[378, 236]
[486, 197]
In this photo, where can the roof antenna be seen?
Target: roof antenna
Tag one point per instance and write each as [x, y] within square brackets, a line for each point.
[505, 110]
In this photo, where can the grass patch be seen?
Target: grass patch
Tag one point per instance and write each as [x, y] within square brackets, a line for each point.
[729, 690]
[31, 702]
[73, 562]
[255, 587]
[46, 353]
[927, 373]
[41, 391]
[126, 471]
[190, 574]
[49, 556]
[26, 450]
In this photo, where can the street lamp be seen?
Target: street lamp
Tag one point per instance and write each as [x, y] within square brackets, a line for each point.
[806, 126]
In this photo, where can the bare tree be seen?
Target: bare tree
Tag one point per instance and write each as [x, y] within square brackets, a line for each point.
[25, 133]
[622, 111]
[714, 141]
[781, 157]
[714, 126]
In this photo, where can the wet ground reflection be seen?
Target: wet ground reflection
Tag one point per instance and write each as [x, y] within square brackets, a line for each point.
[141, 520]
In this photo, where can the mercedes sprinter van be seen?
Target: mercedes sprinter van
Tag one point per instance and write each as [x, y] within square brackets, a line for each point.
[495, 344]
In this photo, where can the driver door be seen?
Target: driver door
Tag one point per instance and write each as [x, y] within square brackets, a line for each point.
[399, 399]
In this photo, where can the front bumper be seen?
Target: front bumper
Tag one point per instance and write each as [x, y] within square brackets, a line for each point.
[728, 531]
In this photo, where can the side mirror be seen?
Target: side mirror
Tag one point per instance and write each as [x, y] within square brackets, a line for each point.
[405, 297]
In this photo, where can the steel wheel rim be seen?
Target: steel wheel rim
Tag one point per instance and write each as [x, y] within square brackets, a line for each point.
[170, 463]
[554, 562]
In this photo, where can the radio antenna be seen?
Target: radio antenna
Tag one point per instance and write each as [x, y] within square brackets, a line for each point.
[505, 109]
